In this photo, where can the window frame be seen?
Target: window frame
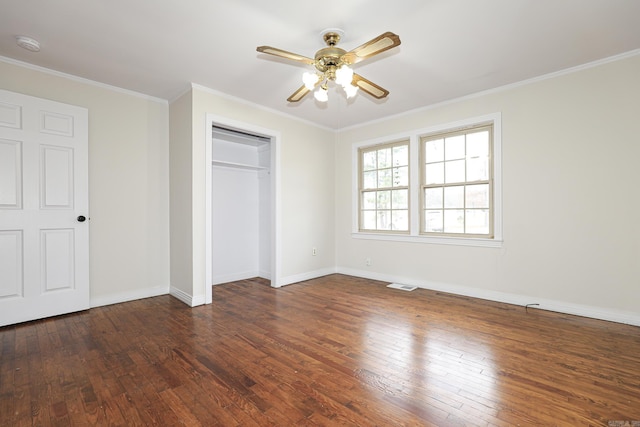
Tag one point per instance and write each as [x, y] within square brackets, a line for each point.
[361, 190]
[465, 183]
[415, 202]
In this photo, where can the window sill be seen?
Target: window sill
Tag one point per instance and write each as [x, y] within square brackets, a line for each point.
[456, 241]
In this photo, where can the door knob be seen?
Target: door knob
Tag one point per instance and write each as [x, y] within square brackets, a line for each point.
[81, 218]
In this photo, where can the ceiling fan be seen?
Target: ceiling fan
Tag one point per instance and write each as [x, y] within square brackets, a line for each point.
[332, 64]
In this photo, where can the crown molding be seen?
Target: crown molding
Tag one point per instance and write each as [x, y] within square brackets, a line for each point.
[254, 105]
[499, 89]
[81, 80]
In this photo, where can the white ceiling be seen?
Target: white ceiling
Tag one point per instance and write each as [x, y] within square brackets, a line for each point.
[450, 48]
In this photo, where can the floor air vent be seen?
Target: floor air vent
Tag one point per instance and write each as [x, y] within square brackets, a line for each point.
[401, 287]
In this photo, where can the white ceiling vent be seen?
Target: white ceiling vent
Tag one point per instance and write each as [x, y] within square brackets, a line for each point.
[402, 287]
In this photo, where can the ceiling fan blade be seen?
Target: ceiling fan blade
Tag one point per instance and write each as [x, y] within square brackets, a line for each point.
[298, 94]
[284, 54]
[373, 47]
[369, 87]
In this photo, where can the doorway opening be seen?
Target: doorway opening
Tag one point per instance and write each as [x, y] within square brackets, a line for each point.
[242, 240]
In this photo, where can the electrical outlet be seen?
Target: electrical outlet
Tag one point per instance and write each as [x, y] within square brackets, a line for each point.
[314, 251]
[367, 262]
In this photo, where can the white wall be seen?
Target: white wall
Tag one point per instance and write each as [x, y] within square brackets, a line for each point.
[235, 229]
[128, 181]
[570, 176]
[235, 213]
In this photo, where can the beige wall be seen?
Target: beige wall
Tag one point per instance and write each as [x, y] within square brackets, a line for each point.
[181, 197]
[570, 150]
[128, 181]
[305, 199]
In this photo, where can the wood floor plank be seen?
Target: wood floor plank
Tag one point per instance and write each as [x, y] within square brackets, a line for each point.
[337, 350]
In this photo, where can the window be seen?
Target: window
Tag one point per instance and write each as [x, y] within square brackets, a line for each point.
[456, 187]
[439, 185]
[384, 187]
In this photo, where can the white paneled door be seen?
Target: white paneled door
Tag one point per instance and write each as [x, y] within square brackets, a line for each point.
[44, 229]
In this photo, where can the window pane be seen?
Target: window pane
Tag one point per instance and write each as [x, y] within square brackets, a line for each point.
[369, 220]
[454, 171]
[384, 158]
[433, 198]
[369, 160]
[454, 221]
[384, 200]
[369, 200]
[454, 197]
[399, 199]
[400, 220]
[384, 178]
[434, 151]
[477, 221]
[477, 196]
[434, 173]
[370, 179]
[433, 221]
[478, 144]
[384, 220]
[478, 156]
[401, 176]
[477, 168]
[401, 155]
[454, 147]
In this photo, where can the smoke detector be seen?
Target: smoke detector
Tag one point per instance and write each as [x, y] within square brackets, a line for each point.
[28, 43]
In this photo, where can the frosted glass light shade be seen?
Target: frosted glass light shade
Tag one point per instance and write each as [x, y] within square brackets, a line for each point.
[321, 95]
[310, 80]
[350, 90]
[344, 76]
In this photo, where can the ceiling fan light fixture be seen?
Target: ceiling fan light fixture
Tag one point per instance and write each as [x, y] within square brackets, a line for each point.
[350, 90]
[332, 65]
[321, 95]
[310, 80]
[344, 76]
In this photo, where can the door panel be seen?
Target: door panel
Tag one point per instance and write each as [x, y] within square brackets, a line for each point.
[11, 264]
[56, 174]
[44, 260]
[10, 174]
[56, 259]
[10, 115]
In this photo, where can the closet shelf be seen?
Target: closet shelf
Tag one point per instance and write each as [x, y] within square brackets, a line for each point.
[238, 165]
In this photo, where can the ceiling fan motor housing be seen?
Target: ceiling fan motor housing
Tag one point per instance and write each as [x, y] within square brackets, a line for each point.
[329, 59]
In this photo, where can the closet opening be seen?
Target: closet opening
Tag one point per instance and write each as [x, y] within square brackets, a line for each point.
[242, 207]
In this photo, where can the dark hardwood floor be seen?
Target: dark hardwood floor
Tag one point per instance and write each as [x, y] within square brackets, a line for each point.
[331, 351]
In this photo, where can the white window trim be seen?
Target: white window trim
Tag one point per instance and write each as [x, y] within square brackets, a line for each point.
[414, 235]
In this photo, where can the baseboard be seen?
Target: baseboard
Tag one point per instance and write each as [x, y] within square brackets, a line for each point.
[593, 312]
[128, 296]
[226, 278]
[288, 280]
[186, 298]
[601, 313]
[264, 274]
